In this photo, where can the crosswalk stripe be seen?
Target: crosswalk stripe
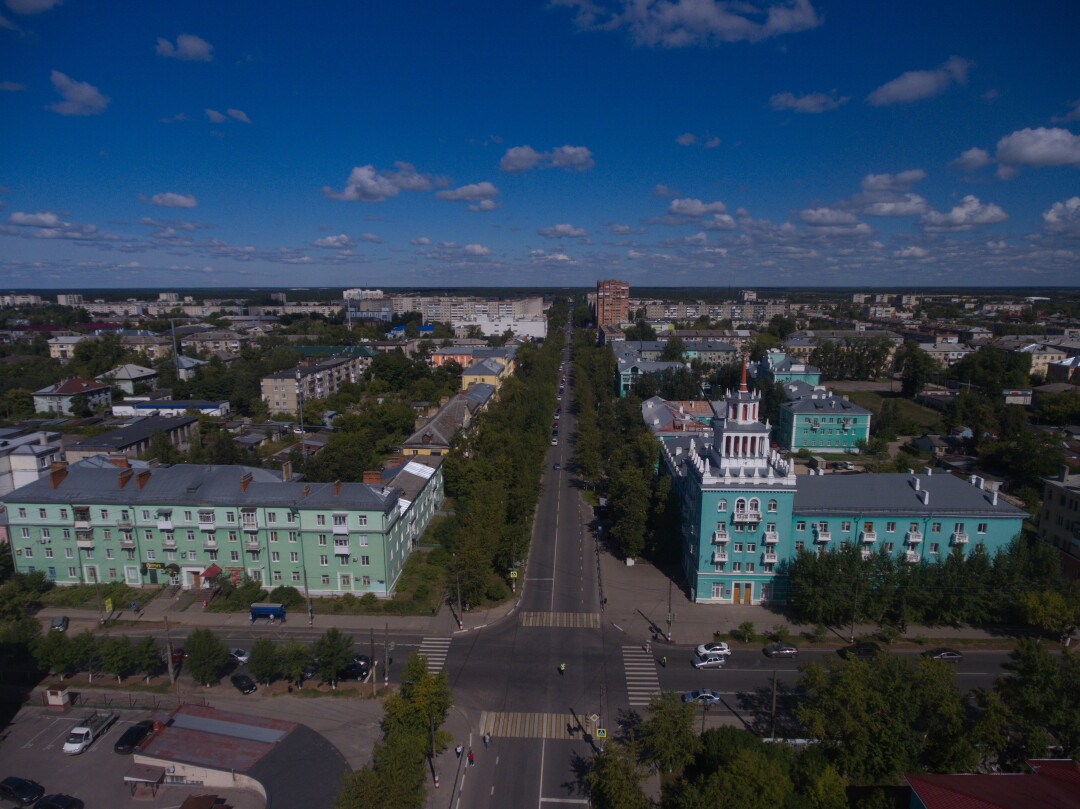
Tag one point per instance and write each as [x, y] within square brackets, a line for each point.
[435, 650]
[566, 620]
[639, 669]
[518, 725]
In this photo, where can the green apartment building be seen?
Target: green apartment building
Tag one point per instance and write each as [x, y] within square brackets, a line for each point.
[184, 524]
[822, 422]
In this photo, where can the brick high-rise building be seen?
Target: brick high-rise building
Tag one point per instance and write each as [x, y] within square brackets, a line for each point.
[612, 302]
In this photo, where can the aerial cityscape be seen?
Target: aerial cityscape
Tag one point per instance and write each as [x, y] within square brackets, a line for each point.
[638, 405]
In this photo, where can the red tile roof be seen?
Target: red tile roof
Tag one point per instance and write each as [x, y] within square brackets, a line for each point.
[70, 387]
[1054, 785]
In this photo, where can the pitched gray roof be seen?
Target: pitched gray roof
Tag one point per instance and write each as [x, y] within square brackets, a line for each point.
[134, 433]
[826, 406]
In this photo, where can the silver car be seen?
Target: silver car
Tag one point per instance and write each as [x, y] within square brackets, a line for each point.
[708, 661]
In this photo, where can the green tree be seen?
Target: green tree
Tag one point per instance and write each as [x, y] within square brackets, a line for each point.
[916, 368]
[265, 661]
[53, 652]
[332, 651]
[674, 350]
[86, 654]
[146, 658]
[615, 778]
[207, 655]
[116, 656]
[424, 701]
[668, 734]
[295, 657]
[1034, 696]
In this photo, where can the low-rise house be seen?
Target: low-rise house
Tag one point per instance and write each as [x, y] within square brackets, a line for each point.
[486, 372]
[60, 397]
[63, 347]
[25, 457]
[185, 367]
[1053, 783]
[213, 341]
[437, 434]
[671, 419]
[126, 377]
[822, 421]
[777, 366]
[315, 379]
[171, 407]
[134, 439]
[154, 347]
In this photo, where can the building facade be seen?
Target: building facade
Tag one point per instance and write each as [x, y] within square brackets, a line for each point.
[612, 302]
[60, 398]
[98, 520]
[312, 380]
[822, 422]
[1059, 524]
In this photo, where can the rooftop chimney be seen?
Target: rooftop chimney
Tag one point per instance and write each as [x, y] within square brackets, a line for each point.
[286, 470]
[927, 471]
[337, 488]
[245, 480]
[306, 491]
[993, 497]
[924, 495]
[142, 478]
[57, 472]
[121, 462]
[124, 477]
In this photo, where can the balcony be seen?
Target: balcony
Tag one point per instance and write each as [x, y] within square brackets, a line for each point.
[911, 556]
[959, 538]
[206, 522]
[720, 536]
[341, 548]
[913, 537]
[252, 543]
[84, 539]
[719, 557]
[250, 525]
[822, 536]
[124, 525]
[341, 529]
[208, 542]
[747, 516]
[127, 541]
[867, 554]
[168, 542]
[868, 536]
[82, 520]
[769, 558]
[165, 523]
[771, 537]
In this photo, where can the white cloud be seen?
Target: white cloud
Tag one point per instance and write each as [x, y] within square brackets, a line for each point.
[919, 84]
[719, 221]
[339, 242]
[892, 182]
[965, 216]
[214, 116]
[825, 217]
[41, 219]
[171, 200]
[31, 6]
[518, 159]
[971, 159]
[1039, 147]
[1063, 217]
[484, 205]
[909, 205]
[811, 102]
[623, 230]
[912, 252]
[421, 241]
[661, 191]
[681, 23]
[365, 184]
[476, 250]
[563, 232]
[686, 139]
[174, 119]
[1073, 114]
[239, 115]
[712, 143]
[11, 86]
[188, 48]
[694, 207]
[371, 237]
[79, 97]
[473, 192]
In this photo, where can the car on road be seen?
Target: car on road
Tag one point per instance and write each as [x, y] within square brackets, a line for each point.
[864, 650]
[944, 653]
[239, 655]
[781, 650]
[356, 671]
[21, 791]
[243, 683]
[558, 466]
[59, 623]
[704, 696]
[714, 648]
[554, 442]
[709, 661]
[133, 737]
[59, 802]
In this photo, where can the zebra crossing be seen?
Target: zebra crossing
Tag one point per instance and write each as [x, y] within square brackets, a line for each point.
[515, 725]
[435, 650]
[641, 679]
[566, 620]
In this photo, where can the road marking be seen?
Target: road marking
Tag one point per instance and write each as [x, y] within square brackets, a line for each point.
[515, 725]
[566, 620]
[563, 800]
[641, 679]
[435, 650]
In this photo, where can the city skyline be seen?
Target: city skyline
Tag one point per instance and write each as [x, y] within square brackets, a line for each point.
[660, 142]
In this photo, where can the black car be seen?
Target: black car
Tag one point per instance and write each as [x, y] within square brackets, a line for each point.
[943, 653]
[59, 802]
[780, 650]
[22, 791]
[134, 736]
[355, 671]
[243, 683]
[865, 650]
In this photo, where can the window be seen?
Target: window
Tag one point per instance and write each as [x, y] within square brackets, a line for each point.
[935, 527]
[67, 533]
[106, 533]
[366, 581]
[365, 561]
[187, 516]
[749, 567]
[277, 575]
[325, 580]
[42, 513]
[933, 547]
[124, 515]
[147, 534]
[109, 553]
[800, 525]
[230, 516]
[234, 556]
[913, 527]
[232, 536]
[28, 552]
[71, 573]
[751, 547]
[772, 506]
[890, 527]
[982, 528]
[341, 519]
[212, 555]
[737, 547]
[755, 504]
[275, 556]
[145, 514]
[888, 547]
[320, 519]
[271, 516]
[292, 536]
[324, 560]
[361, 520]
[273, 536]
[129, 554]
[104, 513]
[322, 539]
[296, 575]
[294, 556]
[189, 536]
[46, 534]
[799, 545]
[736, 566]
[171, 555]
[721, 505]
[89, 553]
[25, 532]
[69, 553]
[362, 538]
[22, 513]
[959, 528]
[48, 553]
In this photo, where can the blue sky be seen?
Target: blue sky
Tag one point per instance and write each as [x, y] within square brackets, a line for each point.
[485, 142]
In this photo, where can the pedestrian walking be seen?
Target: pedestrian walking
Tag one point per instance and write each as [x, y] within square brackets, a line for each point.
[472, 758]
[562, 668]
[663, 661]
[487, 740]
[458, 750]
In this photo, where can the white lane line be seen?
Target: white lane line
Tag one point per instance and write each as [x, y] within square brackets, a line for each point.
[540, 791]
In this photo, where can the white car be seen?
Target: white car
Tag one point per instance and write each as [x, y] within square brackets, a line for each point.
[239, 655]
[717, 648]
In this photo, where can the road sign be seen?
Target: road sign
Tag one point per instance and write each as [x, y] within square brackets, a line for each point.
[601, 733]
[513, 574]
[594, 717]
[108, 605]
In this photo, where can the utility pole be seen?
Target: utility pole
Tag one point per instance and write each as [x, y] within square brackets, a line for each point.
[854, 608]
[169, 652]
[372, 637]
[772, 733]
[386, 655]
[670, 615]
[460, 606]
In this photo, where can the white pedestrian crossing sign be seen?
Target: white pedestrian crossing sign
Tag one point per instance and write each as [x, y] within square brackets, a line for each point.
[601, 733]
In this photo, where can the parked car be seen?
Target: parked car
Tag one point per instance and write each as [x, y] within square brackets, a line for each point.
[781, 650]
[243, 683]
[133, 737]
[709, 661]
[355, 671]
[22, 791]
[59, 623]
[554, 442]
[705, 696]
[714, 648]
[558, 466]
[239, 655]
[944, 653]
[864, 650]
[59, 802]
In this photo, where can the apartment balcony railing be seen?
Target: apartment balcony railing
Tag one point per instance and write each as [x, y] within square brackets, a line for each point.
[124, 525]
[250, 525]
[341, 548]
[913, 537]
[868, 536]
[867, 553]
[822, 536]
[959, 538]
[341, 529]
[720, 536]
[127, 541]
[84, 539]
[168, 542]
[719, 557]
[771, 537]
[769, 558]
[252, 543]
[911, 556]
[165, 524]
[747, 516]
[207, 523]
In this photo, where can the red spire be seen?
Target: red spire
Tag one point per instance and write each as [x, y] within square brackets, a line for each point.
[742, 382]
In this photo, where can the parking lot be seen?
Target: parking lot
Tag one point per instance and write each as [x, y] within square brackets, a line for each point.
[30, 747]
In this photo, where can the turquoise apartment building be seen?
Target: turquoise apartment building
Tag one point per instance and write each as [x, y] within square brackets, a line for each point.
[777, 366]
[745, 511]
[185, 524]
[822, 422]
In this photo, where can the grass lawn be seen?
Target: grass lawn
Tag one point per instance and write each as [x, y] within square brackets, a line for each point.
[925, 417]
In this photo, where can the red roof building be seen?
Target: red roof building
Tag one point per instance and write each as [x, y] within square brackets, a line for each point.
[1054, 784]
